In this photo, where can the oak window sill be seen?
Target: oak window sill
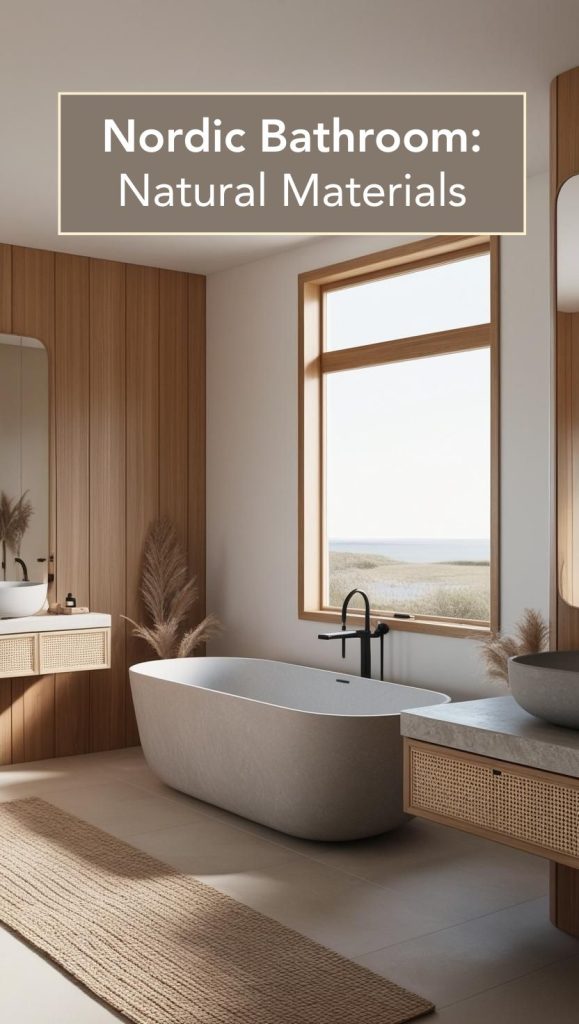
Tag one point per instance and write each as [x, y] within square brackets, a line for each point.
[434, 627]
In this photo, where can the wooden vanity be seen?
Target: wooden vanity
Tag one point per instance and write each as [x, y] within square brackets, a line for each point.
[489, 768]
[47, 644]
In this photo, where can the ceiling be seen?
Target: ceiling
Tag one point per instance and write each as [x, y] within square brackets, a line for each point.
[262, 45]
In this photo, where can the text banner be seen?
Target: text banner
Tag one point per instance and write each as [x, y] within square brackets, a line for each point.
[315, 163]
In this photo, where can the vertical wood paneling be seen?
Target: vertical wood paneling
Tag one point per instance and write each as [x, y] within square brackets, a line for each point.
[564, 881]
[564, 902]
[6, 289]
[142, 391]
[18, 688]
[5, 721]
[126, 350]
[197, 416]
[108, 493]
[554, 554]
[567, 126]
[71, 399]
[5, 327]
[173, 399]
[564, 164]
[564, 428]
[33, 316]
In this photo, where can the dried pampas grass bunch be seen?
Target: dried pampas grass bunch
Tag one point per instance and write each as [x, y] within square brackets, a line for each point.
[531, 636]
[15, 516]
[169, 593]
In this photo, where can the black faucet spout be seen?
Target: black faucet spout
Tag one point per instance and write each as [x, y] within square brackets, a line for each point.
[346, 603]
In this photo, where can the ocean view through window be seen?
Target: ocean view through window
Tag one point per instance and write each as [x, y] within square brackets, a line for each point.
[399, 435]
[409, 464]
[434, 576]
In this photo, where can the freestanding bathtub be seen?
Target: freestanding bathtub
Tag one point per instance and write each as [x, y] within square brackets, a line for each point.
[311, 753]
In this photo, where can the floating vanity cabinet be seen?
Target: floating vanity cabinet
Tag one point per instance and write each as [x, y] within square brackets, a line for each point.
[489, 768]
[533, 810]
[48, 644]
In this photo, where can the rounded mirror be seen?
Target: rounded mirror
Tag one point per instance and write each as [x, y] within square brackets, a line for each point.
[568, 247]
[24, 460]
[568, 389]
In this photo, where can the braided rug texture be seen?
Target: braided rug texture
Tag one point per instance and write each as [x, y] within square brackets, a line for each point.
[161, 947]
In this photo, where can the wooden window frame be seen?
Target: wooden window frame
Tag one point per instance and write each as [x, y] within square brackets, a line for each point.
[315, 363]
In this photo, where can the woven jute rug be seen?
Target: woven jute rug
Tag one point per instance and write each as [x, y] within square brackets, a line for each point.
[161, 947]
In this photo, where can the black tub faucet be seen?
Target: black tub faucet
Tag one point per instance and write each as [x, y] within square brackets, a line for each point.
[364, 635]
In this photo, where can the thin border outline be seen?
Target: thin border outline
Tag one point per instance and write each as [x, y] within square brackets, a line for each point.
[284, 234]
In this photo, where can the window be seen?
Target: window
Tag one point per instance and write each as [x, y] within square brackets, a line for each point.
[399, 436]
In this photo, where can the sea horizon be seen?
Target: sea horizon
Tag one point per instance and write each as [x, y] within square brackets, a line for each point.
[412, 549]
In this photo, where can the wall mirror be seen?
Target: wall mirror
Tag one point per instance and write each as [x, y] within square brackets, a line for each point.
[568, 247]
[567, 292]
[24, 459]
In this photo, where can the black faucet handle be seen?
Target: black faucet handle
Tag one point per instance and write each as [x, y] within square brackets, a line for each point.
[382, 629]
[342, 635]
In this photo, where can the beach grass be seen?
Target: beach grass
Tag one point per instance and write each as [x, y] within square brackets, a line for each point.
[457, 589]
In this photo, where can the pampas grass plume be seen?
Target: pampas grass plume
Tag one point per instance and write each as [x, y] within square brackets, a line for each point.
[531, 636]
[169, 594]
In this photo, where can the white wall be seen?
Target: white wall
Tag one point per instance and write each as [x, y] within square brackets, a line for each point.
[253, 461]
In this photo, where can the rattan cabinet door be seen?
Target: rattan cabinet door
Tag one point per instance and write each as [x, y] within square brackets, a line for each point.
[524, 807]
[74, 650]
[18, 654]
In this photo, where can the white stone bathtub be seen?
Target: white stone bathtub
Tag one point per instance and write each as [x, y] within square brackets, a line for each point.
[311, 753]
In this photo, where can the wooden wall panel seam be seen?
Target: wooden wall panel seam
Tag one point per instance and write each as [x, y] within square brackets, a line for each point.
[108, 493]
[143, 441]
[197, 429]
[73, 480]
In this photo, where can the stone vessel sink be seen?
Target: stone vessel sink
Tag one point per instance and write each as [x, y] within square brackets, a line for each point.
[547, 686]
[18, 599]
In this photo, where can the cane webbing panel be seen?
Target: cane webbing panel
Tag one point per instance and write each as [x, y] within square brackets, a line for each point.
[17, 654]
[72, 650]
[537, 811]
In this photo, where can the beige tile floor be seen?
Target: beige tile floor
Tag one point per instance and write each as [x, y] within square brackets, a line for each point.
[459, 920]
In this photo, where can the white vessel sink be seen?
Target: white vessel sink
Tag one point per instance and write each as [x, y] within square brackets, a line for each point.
[18, 599]
[547, 686]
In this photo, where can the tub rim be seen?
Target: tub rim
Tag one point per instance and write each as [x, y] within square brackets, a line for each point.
[282, 707]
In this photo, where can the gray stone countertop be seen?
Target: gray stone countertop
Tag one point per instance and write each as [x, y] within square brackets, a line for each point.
[496, 727]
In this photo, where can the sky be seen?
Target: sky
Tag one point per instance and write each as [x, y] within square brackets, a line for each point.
[408, 443]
